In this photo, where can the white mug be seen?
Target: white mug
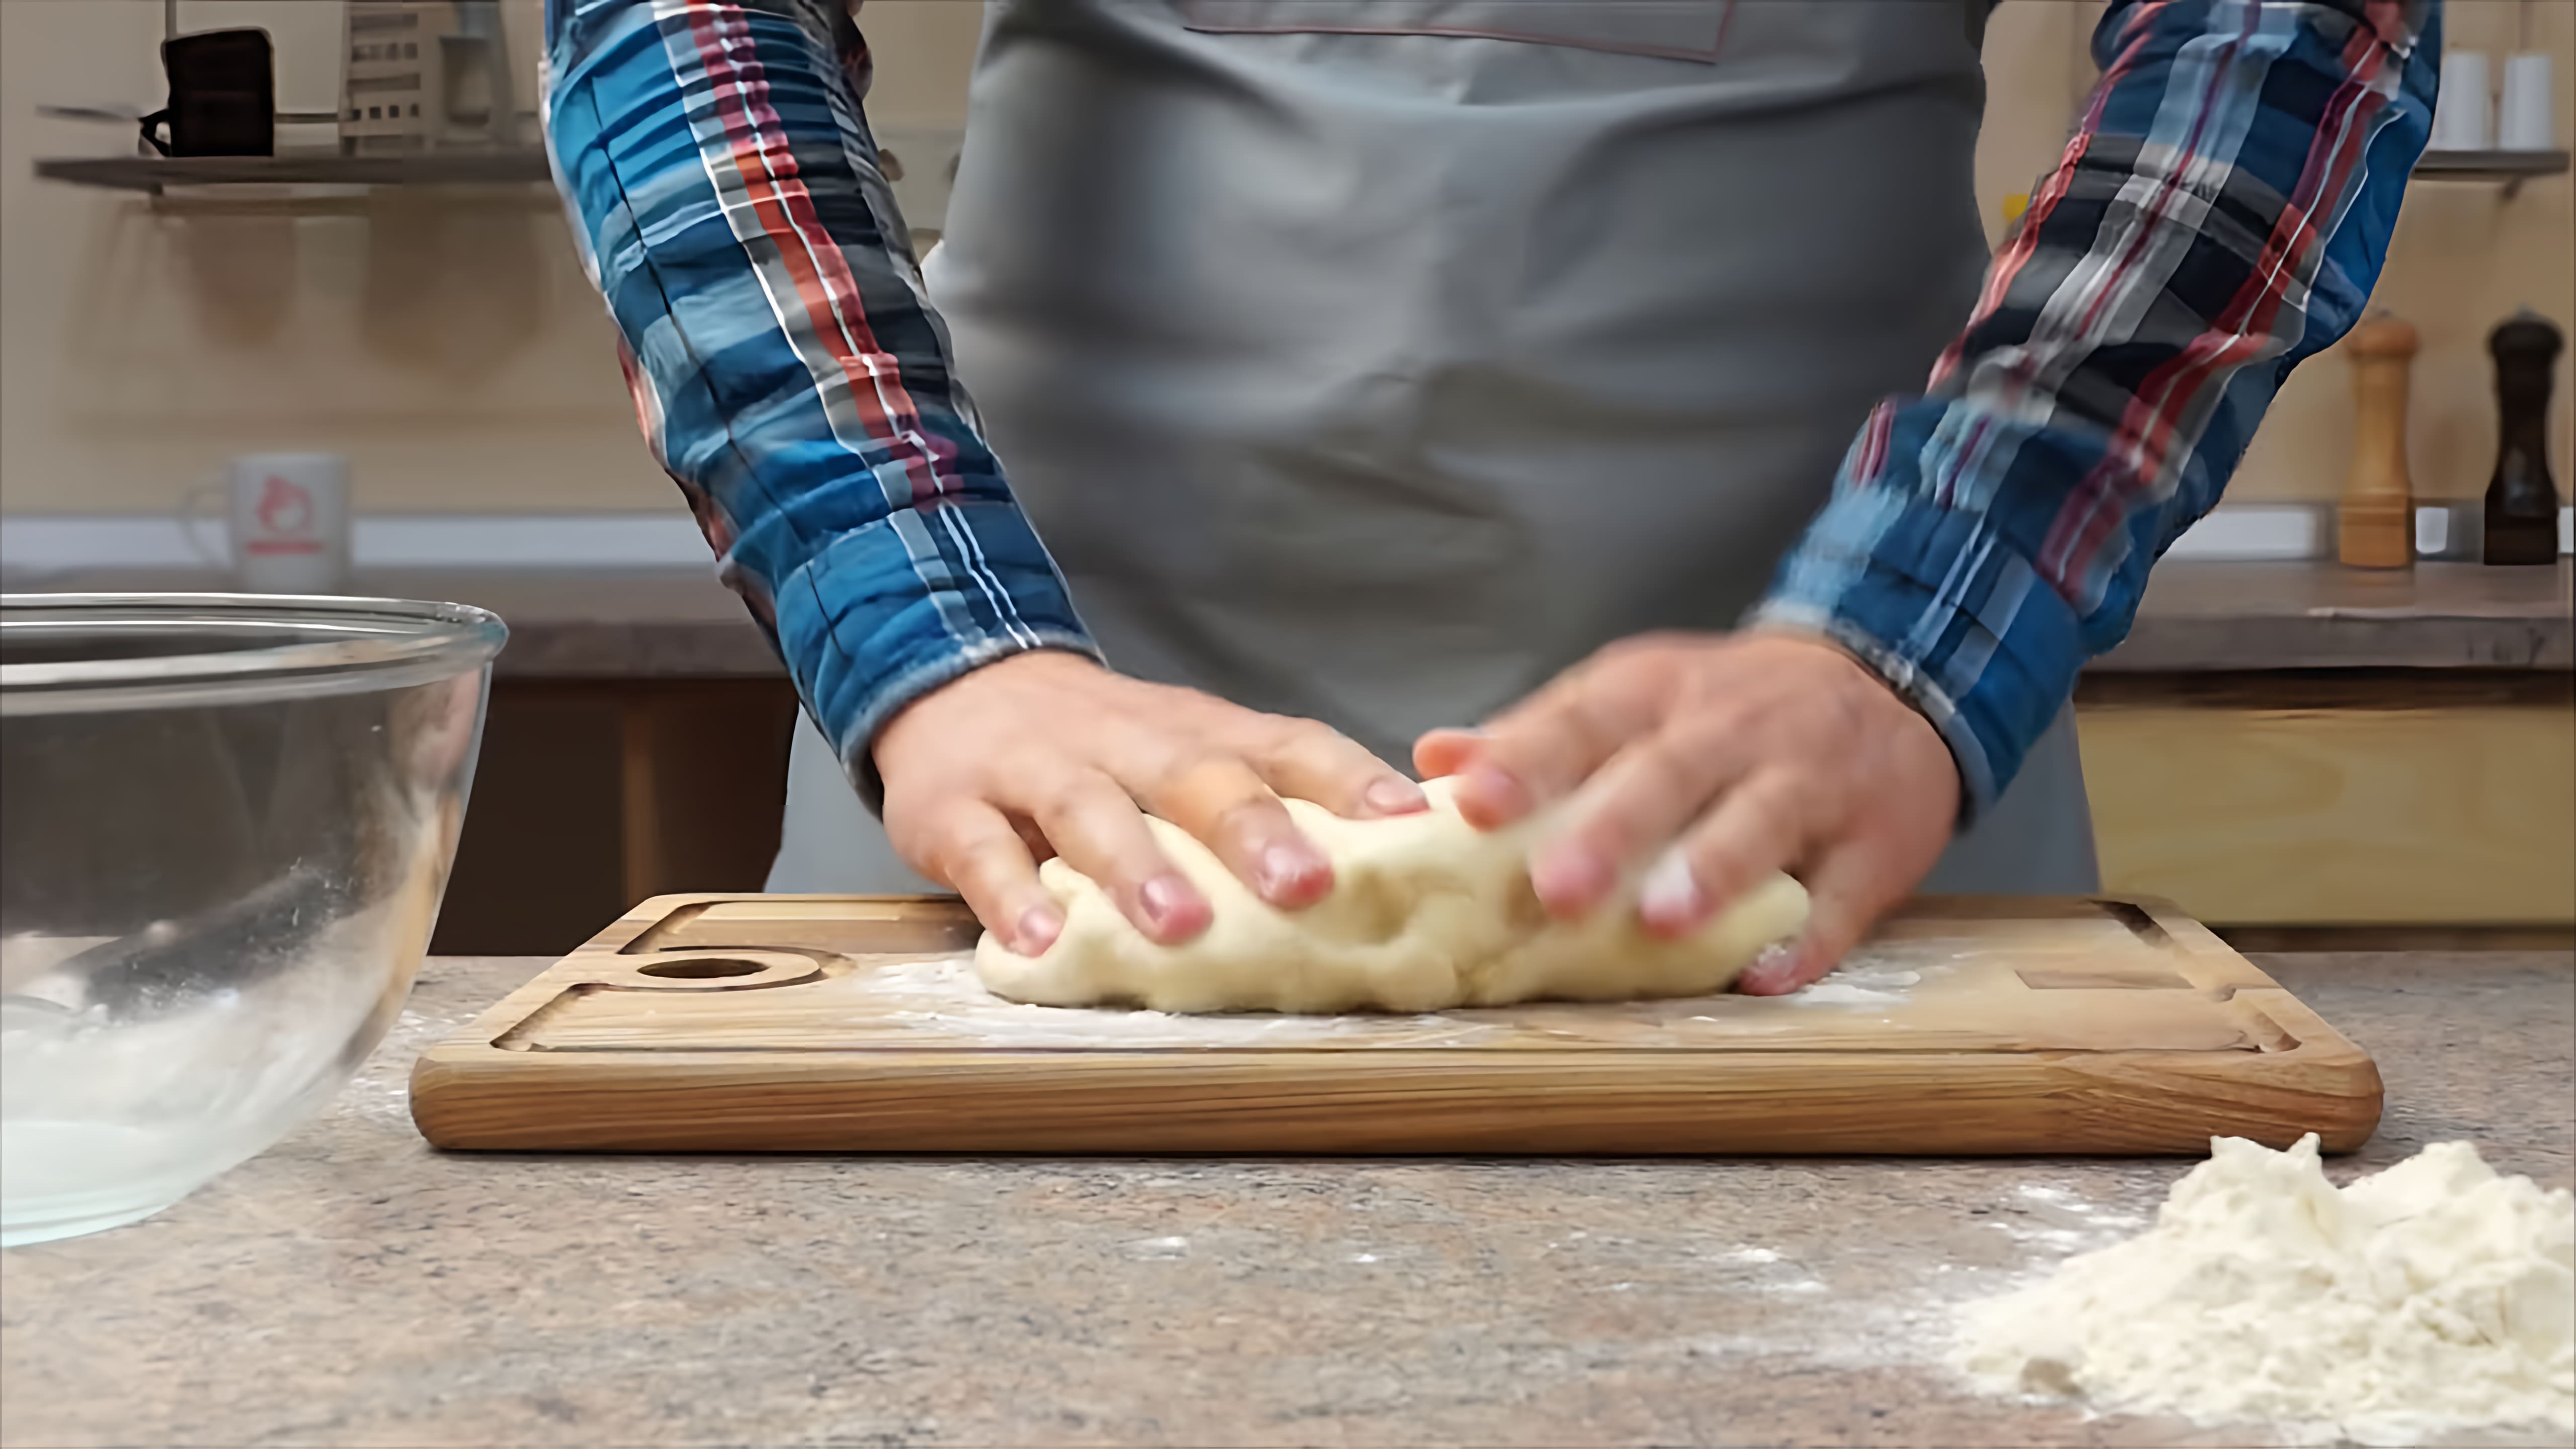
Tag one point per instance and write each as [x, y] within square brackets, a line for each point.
[2527, 118]
[2464, 113]
[287, 519]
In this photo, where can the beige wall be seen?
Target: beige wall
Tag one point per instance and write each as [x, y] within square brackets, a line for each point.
[451, 347]
[455, 352]
[2037, 73]
[923, 50]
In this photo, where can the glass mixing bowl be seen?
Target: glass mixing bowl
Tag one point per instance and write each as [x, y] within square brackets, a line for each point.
[225, 823]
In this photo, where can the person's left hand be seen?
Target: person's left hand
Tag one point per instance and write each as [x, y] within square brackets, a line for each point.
[1720, 758]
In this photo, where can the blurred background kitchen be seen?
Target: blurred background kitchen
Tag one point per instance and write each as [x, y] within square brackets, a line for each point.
[2333, 720]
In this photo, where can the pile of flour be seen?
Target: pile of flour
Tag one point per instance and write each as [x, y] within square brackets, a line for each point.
[2432, 1297]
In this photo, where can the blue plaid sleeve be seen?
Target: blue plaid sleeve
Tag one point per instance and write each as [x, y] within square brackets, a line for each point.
[786, 366]
[2219, 216]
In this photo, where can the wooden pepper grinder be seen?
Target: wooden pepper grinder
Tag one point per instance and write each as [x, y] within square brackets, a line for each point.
[2375, 524]
[2522, 501]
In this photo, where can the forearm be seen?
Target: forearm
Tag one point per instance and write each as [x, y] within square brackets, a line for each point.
[2219, 216]
[786, 366]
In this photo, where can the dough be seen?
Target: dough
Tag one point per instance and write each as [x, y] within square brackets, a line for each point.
[2433, 1297]
[1426, 912]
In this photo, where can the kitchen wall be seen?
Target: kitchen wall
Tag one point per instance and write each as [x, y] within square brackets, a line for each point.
[452, 348]
[447, 346]
[448, 343]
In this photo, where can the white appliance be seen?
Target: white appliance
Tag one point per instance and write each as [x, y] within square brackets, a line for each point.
[421, 75]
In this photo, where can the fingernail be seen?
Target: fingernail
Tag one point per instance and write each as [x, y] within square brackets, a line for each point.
[1169, 900]
[1570, 878]
[1393, 796]
[1502, 797]
[1773, 968]
[1037, 930]
[1671, 897]
[1289, 871]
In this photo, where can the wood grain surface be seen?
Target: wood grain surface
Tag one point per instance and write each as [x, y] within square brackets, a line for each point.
[2272, 817]
[823, 1023]
[2375, 521]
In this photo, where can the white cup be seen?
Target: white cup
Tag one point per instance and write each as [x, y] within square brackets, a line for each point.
[286, 517]
[2464, 115]
[2527, 119]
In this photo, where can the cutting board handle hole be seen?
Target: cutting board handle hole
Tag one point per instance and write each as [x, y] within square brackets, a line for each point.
[701, 968]
[2137, 918]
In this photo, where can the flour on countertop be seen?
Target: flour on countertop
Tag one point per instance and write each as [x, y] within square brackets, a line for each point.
[2432, 1297]
[381, 1091]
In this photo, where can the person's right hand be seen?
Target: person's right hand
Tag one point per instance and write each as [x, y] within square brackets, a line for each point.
[1048, 753]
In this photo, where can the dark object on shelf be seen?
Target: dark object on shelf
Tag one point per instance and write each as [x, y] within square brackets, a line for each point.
[223, 96]
[2522, 501]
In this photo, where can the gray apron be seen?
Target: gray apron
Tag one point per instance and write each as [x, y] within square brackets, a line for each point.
[1376, 360]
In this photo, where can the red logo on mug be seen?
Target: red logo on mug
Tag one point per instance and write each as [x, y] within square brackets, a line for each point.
[285, 507]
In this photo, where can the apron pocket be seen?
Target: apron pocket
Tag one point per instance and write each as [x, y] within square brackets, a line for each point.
[1670, 29]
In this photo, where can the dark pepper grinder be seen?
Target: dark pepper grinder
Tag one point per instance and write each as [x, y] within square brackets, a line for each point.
[2522, 501]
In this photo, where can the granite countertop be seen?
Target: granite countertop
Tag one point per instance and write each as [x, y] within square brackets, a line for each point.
[2197, 617]
[2214, 616]
[353, 1287]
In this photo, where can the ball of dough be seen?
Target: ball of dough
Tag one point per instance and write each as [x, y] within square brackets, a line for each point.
[1426, 912]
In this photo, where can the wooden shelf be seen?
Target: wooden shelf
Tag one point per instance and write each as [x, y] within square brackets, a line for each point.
[527, 164]
[2510, 167]
[499, 167]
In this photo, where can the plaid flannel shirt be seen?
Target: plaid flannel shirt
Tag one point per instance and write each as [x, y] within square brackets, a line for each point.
[2219, 215]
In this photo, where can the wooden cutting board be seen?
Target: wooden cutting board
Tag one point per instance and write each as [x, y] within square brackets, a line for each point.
[831, 1023]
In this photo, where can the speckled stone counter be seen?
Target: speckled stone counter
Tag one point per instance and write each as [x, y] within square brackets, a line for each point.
[2203, 616]
[2197, 617]
[352, 1287]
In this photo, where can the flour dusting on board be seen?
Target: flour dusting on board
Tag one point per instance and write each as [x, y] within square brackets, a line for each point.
[1860, 983]
[1883, 973]
[943, 994]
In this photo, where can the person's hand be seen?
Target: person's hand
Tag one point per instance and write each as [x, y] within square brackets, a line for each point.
[1048, 753]
[1718, 758]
